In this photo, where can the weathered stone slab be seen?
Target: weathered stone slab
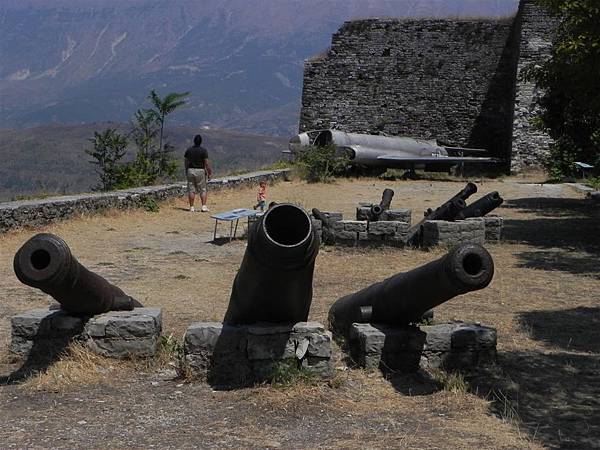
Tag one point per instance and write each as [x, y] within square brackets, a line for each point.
[398, 215]
[248, 354]
[44, 323]
[124, 334]
[493, 228]
[455, 345]
[441, 232]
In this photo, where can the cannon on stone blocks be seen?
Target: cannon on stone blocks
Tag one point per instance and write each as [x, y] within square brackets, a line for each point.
[481, 207]
[46, 263]
[405, 297]
[274, 282]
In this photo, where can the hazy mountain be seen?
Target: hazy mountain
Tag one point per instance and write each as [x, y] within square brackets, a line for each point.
[80, 61]
[51, 159]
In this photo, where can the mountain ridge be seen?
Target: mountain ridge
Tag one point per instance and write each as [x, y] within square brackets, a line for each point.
[86, 61]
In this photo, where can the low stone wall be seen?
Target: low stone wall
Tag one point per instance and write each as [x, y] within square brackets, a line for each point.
[441, 232]
[36, 213]
[455, 345]
[227, 355]
[115, 334]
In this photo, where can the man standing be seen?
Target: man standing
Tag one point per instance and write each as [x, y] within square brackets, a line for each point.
[198, 172]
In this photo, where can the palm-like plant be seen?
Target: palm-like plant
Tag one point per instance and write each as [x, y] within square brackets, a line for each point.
[165, 106]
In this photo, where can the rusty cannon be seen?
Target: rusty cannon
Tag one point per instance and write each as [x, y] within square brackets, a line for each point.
[481, 207]
[46, 262]
[405, 297]
[274, 282]
[449, 210]
[386, 201]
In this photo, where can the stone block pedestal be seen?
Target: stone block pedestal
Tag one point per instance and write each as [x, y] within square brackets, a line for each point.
[116, 334]
[124, 334]
[243, 355]
[456, 345]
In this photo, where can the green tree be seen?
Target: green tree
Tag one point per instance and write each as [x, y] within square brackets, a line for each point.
[162, 108]
[109, 147]
[570, 79]
[152, 160]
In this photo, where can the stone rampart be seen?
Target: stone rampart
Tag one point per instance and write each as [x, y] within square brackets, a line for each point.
[35, 213]
[451, 80]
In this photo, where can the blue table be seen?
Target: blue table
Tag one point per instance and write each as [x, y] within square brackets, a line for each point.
[233, 216]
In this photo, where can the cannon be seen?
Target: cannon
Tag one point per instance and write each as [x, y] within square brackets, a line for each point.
[274, 282]
[384, 205]
[405, 297]
[449, 210]
[481, 207]
[46, 262]
[446, 211]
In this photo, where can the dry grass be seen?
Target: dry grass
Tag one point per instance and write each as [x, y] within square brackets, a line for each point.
[77, 368]
[544, 272]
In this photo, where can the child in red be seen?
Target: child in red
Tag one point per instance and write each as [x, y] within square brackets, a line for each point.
[261, 197]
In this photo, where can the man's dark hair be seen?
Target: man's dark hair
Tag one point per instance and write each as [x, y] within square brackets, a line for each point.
[197, 139]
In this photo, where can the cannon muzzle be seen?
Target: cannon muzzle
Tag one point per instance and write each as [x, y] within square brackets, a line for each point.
[384, 205]
[405, 297]
[481, 207]
[45, 262]
[274, 282]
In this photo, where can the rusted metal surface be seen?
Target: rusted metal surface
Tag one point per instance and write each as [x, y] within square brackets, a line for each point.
[46, 262]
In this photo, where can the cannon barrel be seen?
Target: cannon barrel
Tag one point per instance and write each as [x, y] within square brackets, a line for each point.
[448, 211]
[384, 205]
[46, 262]
[482, 206]
[274, 282]
[405, 297]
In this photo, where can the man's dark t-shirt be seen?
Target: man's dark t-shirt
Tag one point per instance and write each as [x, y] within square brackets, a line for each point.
[196, 156]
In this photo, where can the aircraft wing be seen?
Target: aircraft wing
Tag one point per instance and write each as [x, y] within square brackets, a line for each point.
[435, 159]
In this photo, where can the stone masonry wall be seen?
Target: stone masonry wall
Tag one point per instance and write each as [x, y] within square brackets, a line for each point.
[529, 145]
[441, 79]
[35, 213]
[454, 80]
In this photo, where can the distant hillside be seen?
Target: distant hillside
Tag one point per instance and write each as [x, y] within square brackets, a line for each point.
[82, 61]
[51, 159]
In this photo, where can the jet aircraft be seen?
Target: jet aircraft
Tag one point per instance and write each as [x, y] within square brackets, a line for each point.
[399, 152]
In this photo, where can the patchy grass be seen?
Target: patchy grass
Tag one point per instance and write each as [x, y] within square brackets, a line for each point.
[79, 367]
[546, 285]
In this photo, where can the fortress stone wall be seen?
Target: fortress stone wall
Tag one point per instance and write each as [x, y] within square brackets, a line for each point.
[36, 213]
[454, 80]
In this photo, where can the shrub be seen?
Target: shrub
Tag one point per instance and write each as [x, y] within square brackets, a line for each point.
[321, 164]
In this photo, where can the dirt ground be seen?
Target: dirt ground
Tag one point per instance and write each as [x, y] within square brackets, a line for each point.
[544, 301]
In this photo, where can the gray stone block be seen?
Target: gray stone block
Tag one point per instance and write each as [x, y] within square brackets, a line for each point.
[354, 225]
[251, 353]
[493, 228]
[405, 348]
[383, 228]
[43, 323]
[123, 348]
[441, 232]
[124, 334]
[363, 212]
[399, 215]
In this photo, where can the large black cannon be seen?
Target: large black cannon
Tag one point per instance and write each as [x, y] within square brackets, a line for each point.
[449, 210]
[45, 262]
[481, 207]
[274, 282]
[405, 297]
